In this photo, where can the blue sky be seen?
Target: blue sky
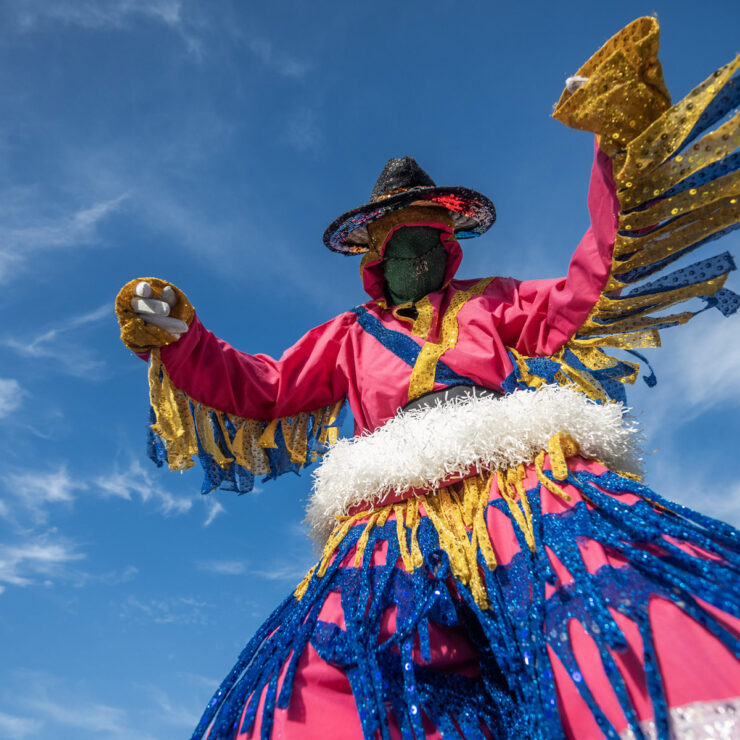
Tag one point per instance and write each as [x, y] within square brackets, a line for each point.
[210, 144]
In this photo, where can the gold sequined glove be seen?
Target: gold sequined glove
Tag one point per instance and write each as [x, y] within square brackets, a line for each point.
[620, 90]
[152, 313]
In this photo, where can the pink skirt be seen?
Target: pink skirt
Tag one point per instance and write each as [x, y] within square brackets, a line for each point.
[503, 607]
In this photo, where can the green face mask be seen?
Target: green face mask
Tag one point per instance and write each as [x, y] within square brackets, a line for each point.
[414, 264]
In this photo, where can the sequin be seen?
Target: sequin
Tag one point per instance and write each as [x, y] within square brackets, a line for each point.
[230, 449]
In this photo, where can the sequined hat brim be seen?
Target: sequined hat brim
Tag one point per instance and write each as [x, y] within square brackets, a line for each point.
[473, 214]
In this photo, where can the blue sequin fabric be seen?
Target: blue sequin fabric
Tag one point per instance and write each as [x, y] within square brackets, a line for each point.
[657, 550]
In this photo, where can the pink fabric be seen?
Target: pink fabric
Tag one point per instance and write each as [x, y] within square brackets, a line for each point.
[373, 279]
[339, 358]
[694, 664]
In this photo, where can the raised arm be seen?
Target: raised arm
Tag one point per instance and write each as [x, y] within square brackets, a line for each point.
[240, 414]
[662, 186]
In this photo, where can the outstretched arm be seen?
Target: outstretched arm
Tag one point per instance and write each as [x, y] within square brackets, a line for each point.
[240, 414]
[661, 187]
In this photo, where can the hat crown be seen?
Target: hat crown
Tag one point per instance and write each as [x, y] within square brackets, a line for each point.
[399, 174]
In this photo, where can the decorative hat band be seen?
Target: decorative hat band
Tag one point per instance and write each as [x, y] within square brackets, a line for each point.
[388, 194]
[379, 229]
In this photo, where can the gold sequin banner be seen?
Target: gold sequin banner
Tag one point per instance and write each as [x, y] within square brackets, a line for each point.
[226, 438]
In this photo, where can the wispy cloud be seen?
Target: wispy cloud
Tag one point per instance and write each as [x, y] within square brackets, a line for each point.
[213, 508]
[303, 131]
[11, 396]
[99, 13]
[32, 493]
[223, 567]
[697, 371]
[706, 361]
[18, 728]
[136, 481]
[25, 236]
[56, 704]
[179, 610]
[176, 714]
[54, 344]
[119, 15]
[39, 559]
[275, 59]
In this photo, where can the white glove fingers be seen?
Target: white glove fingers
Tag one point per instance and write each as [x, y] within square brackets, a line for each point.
[150, 307]
[173, 326]
[168, 296]
[143, 289]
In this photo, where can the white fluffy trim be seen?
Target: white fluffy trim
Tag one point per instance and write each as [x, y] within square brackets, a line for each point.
[421, 448]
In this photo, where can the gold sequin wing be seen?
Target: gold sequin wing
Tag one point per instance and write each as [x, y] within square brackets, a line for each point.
[678, 187]
[136, 334]
[624, 92]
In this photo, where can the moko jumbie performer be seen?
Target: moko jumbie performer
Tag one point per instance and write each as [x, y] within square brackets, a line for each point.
[492, 565]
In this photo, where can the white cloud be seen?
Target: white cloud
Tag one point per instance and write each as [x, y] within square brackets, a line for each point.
[214, 508]
[11, 396]
[64, 709]
[119, 15]
[99, 13]
[25, 236]
[33, 492]
[178, 610]
[54, 344]
[706, 362]
[175, 714]
[292, 571]
[18, 728]
[39, 559]
[139, 482]
[223, 567]
[303, 131]
[275, 59]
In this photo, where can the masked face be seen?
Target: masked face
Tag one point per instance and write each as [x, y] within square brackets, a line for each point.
[414, 264]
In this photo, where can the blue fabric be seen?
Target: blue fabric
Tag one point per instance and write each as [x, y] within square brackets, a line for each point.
[515, 696]
[696, 273]
[724, 102]
[405, 348]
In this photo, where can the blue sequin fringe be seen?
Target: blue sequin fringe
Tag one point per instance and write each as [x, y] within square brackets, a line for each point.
[515, 696]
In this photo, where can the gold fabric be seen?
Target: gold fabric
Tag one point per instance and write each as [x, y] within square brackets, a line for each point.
[422, 375]
[424, 318]
[136, 334]
[626, 104]
[458, 514]
[379, 229]
[625, 91]
[178, 417]
[668, 132]
[712, 147]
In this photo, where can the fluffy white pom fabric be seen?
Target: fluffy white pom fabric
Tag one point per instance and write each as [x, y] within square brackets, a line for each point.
[421, 448]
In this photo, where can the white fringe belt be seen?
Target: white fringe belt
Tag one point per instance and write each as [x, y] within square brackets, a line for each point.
[420, 449]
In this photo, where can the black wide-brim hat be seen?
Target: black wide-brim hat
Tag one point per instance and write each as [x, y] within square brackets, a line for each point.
[401, 183]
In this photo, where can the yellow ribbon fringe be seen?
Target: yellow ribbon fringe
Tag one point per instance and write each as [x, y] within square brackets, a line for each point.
[625, 102]
[176, 424]
[458, 514]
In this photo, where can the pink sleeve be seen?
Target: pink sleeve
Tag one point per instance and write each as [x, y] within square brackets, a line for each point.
[308, 376]
[541, 315]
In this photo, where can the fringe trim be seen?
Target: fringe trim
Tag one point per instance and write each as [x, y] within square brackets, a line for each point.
[423, 449]
[677, 192]
[231, 448]
[458, 515]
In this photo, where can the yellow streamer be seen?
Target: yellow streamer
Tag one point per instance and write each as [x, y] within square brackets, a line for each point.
[422, 375]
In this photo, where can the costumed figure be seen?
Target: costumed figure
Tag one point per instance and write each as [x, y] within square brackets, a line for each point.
[492, 565]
